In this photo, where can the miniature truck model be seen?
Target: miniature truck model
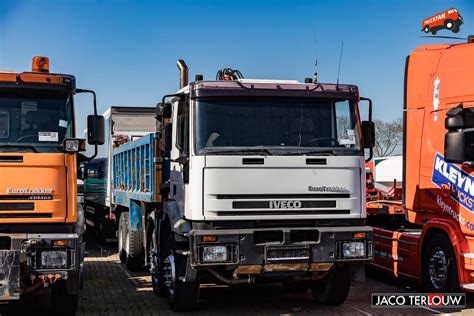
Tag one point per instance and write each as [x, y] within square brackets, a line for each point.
[428, 236]
[41, 223]
[122, 124]
[247, 181]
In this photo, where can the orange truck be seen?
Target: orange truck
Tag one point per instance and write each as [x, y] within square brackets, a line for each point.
[41, 223]
[428, 236]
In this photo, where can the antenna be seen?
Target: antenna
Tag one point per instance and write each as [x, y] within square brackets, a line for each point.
[339, 68]
[448, 37]
[315, 76]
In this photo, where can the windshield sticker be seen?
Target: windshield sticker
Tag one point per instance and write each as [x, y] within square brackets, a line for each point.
[457, 183]
[48, 136]
[348, 139]
[29, 106]
[63, 123]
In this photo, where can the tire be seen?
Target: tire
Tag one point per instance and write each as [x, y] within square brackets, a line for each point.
[156, 272]
[182, 296]
[426, 29]
[334, 288]
[455, 30]
[132, 245]
[121, 238]
[449, 24]
[63, 303]
[433, 32]
[440, 272]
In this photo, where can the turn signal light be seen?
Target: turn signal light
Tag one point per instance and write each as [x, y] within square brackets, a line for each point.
[209, 238]
[359, 235]
[61, 243]
[40, 64]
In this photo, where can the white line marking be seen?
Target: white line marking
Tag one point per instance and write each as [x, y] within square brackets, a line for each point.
[431, 310]
[362, 311]
[128, 274]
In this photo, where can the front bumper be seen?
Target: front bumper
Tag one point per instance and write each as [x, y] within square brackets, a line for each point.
[267, 249]
[21, 265]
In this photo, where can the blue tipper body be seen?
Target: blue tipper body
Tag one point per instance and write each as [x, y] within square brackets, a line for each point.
[137, 176]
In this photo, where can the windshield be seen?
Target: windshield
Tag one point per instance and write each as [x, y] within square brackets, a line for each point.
[35, 123]
[277, 126]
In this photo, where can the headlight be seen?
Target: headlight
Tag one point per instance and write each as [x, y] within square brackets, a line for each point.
[53, 259]
[214, 254]
[353, 249]
[74, 145]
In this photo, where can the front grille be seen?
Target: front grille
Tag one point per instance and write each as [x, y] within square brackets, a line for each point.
[283, 196]
[17, 206]
[30, 215]
[279, 205]
[283, 212]
[25, 197]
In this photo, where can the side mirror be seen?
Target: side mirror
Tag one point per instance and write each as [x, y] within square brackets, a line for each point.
[368, 134]
[167, 136]
[163, 111]
[459, 146]
[454, 122]
[95, 129]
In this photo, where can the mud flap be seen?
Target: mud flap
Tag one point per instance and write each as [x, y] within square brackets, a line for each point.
[9, 275]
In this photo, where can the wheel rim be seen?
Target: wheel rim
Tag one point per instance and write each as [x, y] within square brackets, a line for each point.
[120, 239]
[449, 25]
[438, 268]
[154, 264]
[169, 274]
[427, 30]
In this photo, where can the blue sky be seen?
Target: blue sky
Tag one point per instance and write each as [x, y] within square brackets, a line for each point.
[127, 50]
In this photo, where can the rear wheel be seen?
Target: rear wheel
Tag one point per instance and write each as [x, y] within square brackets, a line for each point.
[133, 251]
[334, 288]
[156, 262]
[121, 238]
[182, 296]
[426, 29]
[440, 272]
[449, 24]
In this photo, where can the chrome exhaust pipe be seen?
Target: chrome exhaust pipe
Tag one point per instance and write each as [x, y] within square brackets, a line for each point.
[183, 73]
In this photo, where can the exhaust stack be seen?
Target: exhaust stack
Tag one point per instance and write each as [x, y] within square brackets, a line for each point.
[183, 73]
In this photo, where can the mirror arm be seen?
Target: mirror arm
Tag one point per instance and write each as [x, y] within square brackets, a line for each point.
[82, 158]
[93, 95]
[370, 106]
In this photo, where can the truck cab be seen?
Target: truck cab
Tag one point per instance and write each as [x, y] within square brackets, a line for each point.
[41, 221]
[261, 180]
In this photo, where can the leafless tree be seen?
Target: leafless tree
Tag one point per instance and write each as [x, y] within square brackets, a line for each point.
[388, 137]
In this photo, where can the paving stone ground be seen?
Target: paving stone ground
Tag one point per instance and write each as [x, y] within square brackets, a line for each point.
[110, 289]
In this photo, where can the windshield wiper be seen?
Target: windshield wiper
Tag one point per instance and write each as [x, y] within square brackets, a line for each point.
[262, 151]
[30, 147]
[308, 152]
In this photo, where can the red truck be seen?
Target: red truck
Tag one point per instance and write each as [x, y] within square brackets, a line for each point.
[428, 235]
[449, 19]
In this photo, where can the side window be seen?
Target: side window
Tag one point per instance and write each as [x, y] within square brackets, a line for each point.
[182, 127]
[346, 133]
[4, 124]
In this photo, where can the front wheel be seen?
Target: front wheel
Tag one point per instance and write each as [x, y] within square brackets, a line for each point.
[182, 296]
[440, 272]
[63, 303]
[334, 288]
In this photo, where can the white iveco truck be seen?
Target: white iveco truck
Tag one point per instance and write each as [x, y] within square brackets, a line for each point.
[252, 181]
